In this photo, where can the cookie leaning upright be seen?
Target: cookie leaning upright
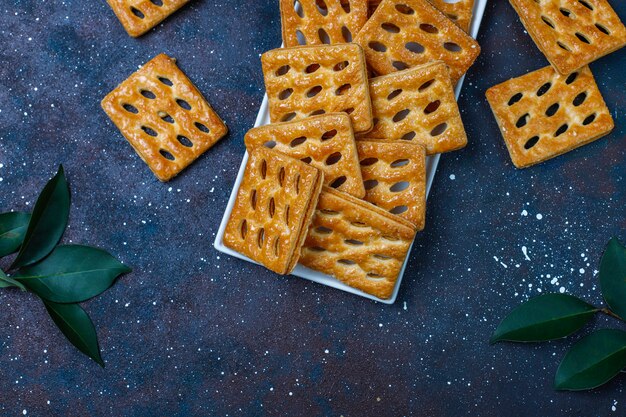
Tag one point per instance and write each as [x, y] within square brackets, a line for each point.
[572, 33]
[311, 80]
[544, 114]
[139, 16]
[358, 243]
[164, 117]
[273, 209]
[330, 21]
[418, 105]
[406, 33]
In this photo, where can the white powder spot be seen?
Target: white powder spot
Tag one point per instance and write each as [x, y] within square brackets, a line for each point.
[24, 412]
[562, 290]
[452, 177]
[404, 307]
[525, 252]
[539, 216]
[581, 270]
[524, 213]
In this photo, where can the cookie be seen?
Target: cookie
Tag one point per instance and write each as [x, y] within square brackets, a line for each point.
[572, 33]
[326, 142]
[312, 80]
[394, 173]
[544, 114]
[273, 209]
[139, 16]
[316, 22]
[460, 12]
[418, 105]
[406, 33]
[164, 117]
[358, 243]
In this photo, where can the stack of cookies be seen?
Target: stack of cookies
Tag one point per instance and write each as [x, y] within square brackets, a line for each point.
[558, 108]
[359, 96]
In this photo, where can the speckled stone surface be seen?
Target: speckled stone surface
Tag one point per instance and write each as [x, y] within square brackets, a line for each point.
[194, 332]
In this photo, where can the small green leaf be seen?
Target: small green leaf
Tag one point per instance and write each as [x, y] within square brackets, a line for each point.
[592, 361]
[6, 282]
[547, 317]
[12, 230]
[613, 277]
[47, 222]
[72, 274]
[76, 325]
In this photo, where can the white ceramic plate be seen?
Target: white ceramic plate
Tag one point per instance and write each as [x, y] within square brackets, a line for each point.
[306, 273]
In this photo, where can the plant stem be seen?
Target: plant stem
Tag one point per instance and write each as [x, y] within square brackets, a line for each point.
[611, 314]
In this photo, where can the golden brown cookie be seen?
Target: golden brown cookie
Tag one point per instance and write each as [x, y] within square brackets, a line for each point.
[544, 114]
[164, 117]
[394, 173]
[418, 105]
[326, 142]
[572, 33]
[311, 80]
[316, 22]
[273, 210]
[460, 12]
[358, 243]
[139, 16]
[406, 33]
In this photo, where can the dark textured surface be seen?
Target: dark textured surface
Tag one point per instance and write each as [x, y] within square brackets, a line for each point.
[192, 331]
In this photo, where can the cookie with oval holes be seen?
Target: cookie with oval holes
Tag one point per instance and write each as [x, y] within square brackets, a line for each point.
[406, 33]
[356, 242]
[273, 209]
[572, 33]
[544, 114]
[307, 81]
[316, 22]
[164, 117]
[326, 142]
[139, 16]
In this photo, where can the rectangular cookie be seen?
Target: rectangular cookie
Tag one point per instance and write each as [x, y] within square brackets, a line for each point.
[460, 12]
[311, 80]
[394, 173]
[358, 243]
[406, 33]
[326, 142]
[418, 105]
[164, 117]
[139, 16]
[273, 210]
[544, 114]
[316, 22]
[572, 33]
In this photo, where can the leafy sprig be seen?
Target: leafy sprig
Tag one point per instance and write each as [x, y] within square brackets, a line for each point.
[596, 358]
[61, 276]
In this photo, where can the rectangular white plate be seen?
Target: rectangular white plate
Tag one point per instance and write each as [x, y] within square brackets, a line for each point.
[301, 271]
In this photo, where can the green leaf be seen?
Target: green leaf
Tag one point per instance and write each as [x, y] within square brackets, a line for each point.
[547, 317]
[76, 325]
[12, 231]
[592, 361]
[72, 274]
[613, 277]
[6, 282]
[47, 221]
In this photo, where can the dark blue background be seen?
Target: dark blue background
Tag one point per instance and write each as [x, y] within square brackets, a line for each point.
[192, 331]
